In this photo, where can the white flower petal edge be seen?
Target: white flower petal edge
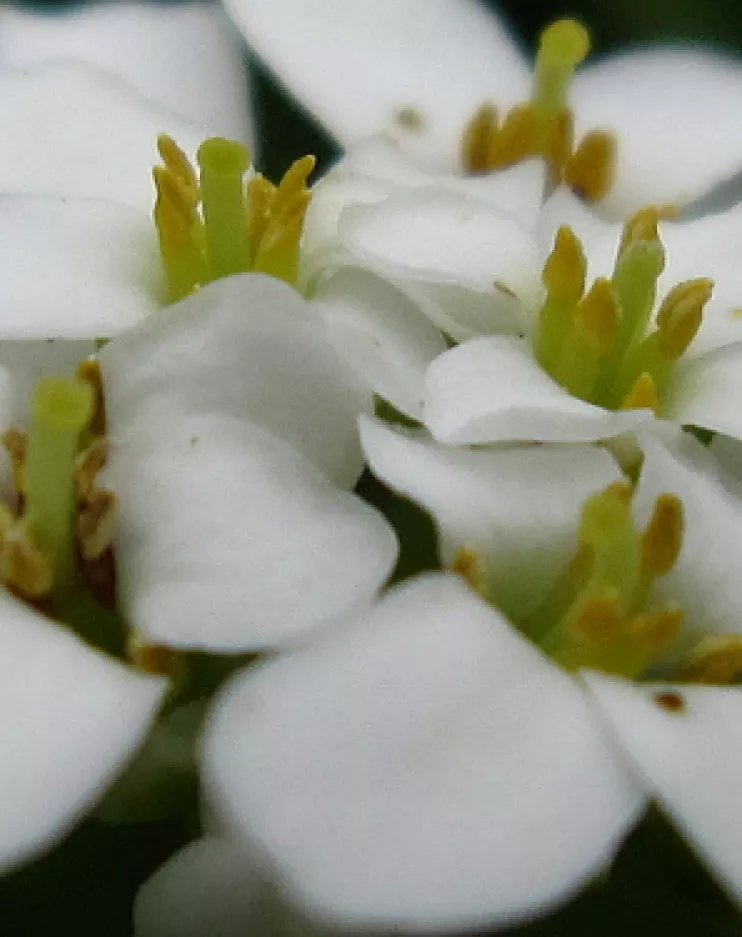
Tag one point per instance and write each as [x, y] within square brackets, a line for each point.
[418, 68]
[230, 540]
[182, 55]
[72, 717]
[517, 508]
[206, 888]
[386, 773]
[381, 333]
[690, 756]
[656, 100]
[229, 350]
[491, 389]
[74, 130]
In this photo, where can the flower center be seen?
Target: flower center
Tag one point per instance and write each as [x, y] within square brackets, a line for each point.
[544, 126]
[216, 222]
[598, 613]
[596, 344]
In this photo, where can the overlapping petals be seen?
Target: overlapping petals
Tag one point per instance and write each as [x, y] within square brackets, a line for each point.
[233, 422]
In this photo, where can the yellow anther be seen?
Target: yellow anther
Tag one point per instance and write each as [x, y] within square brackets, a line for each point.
[23, 567]
[515, 140]
[566, 267]
[87, 465]
[293, 185]
[89, 370]
[260, 195]
[559, 140]
[479, 135]
[96, 523]
[590, 171]
[178, 164]
[642, 395]
[715, 660]
[468, 564]
[598, 313]
[642, 226]
[659, 629]
[680, 316]
[599, 618]
[155, 658]
[16, 445]
[662, 539]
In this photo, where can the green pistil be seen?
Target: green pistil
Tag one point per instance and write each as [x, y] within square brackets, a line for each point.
[223, 164]
[61, 411]
[563, 46]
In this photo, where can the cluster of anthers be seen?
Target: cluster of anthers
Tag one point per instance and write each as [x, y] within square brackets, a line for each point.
[544, 126]
[225, 219]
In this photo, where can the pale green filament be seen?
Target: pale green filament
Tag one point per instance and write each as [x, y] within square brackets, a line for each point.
[223, 164]
[61, 411]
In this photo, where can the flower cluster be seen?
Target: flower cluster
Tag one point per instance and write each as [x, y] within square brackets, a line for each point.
[515, 301]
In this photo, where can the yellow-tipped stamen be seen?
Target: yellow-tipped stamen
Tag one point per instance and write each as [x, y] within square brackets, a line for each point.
[680, 316]
[662, 539]
[477, 142]
[468, 564]
[563, 46]
[559, 141]
[178, 226]
[96, 523]
[590, 171]
[642, 395]
[715, 660]
[589, 340]
[223, 164]
[178, 165]
[641, 226]
[24, 568]
[514, 141]
[564, 278]
[87, 465]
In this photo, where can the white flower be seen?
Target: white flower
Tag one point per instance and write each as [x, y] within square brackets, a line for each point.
[183, 56]
[233, 427]
[421, 69]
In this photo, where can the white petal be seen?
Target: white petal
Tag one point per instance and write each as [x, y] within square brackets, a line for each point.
[75, 268]
[518, 509]
[690, 759]
[247, 346]
[230, 540]
[71, 718]
[404, 772]
[492, 390]
[381, 333]
[181, 55]
[439, 59]
[706, 389]
[206, 888]
[443, 244]
[73, 130]
[705, 581]
[674, 112]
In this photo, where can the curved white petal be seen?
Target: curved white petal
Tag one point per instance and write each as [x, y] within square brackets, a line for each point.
[518, 509]
[705, 581]
[674, 112]
[230, 540]
[70, 129]
[381, 334]
[690, 759]
[207, 888]
[436, 60]
[492, 390]
[247, 346]
[75, 268]
[706, 389]
[182, 55]
[403, 771]
[71, 718]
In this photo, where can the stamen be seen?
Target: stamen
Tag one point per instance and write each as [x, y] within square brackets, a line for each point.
[87, 465]
[515, 140]
[680, 316]
[178, 164]
[563, 46]
[89, 370]
[468, 564]
[61, 411]
[662, 539]
[642, 395]
[564, 278]
[16, 445]
[223, 164]
[715, 660]
[559, 141]
[590, 339]
[590, 171]
[479, 135]
[96, 522]
[179, 231]
[24, 568]
[642, 226]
